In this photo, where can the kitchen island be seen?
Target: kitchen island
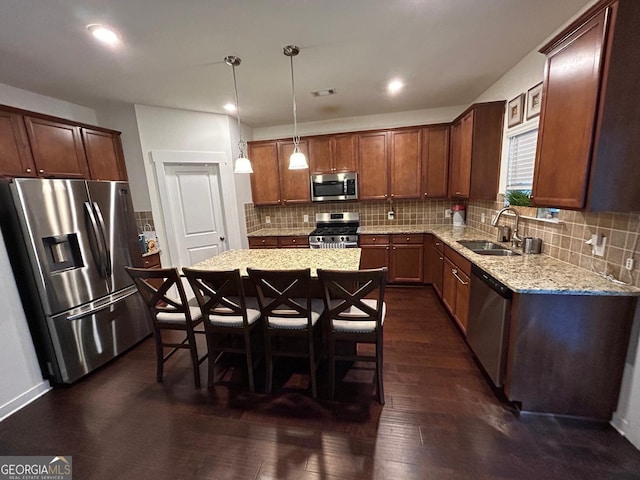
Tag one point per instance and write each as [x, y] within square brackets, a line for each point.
[284, 258]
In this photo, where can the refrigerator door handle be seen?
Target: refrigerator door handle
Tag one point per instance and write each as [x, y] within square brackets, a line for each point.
[103, 229]
[98, 237]
[99, 308]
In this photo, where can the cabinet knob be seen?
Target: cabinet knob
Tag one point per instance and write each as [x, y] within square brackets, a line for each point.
[373, 239]
[458, 193]
[387, 248]
[393, 248]
[263, 241]
[40, 171]
[407, 239]
[392, 195]
[28, 170]
[425, 194]
[293, 241]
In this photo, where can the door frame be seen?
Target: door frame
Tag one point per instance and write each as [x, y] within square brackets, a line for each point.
[161, 159]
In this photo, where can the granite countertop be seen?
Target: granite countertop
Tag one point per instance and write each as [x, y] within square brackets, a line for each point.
[282, 232]
[285, 258]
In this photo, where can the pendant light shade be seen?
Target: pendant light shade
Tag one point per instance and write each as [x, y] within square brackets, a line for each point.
[297, 160]
[242, 163]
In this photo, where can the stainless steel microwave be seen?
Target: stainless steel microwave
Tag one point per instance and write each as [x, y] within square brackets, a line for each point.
[334, 186]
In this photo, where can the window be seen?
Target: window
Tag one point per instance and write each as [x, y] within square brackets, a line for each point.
[522, 158]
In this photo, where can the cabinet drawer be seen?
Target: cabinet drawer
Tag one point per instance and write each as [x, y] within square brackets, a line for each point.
[293, 242]
[406, 239]
[151, 261]
[374, 239]
[458, 260]
[263, 242]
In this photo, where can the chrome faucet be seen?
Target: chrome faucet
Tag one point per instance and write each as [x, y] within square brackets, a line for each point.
[515, 239]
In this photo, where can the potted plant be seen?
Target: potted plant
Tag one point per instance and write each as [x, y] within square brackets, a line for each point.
[522, 199]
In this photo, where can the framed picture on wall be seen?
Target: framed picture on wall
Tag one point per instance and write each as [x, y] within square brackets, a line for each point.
[534, 101]
[515, 111]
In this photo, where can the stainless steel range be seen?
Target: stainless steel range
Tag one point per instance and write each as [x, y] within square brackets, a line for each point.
[335, 230]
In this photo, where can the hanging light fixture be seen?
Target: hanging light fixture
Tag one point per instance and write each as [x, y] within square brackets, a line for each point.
[242, 165]
[297, 160]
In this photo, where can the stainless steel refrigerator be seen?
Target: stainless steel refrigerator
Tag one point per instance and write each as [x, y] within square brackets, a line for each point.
[68, 242]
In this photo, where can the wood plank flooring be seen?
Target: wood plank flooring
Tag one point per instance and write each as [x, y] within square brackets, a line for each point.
[441, 419]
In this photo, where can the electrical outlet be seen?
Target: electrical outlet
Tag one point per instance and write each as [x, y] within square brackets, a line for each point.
[267, 219]
[629, 263]
[598, 242]
[305, 218]
[483, 218]
[391, 215]
[447, 213]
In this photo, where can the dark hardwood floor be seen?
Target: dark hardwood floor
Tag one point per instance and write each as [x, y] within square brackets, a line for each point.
[441, 420]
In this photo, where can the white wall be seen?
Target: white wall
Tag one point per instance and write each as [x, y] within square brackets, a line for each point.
[182, 130]
[20, 377]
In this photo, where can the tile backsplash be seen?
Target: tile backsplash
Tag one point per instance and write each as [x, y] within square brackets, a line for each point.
[144, 221]
[564, 240]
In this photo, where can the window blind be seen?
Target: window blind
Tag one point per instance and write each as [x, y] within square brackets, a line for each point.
[522, 158]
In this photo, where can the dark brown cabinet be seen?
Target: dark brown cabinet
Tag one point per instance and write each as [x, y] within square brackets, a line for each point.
[588, 135]
[406, 259]
[57, 148]
[293, 242]
[265, 179]
[263, 242]
[333, 153]
[15, 153]
[373, 178]
[476, 148]
[435, 161]
[294, 184]
[279, 242]
[104, 155]
[456, 286]
[433, 262]
[405, 162]
[375, 251]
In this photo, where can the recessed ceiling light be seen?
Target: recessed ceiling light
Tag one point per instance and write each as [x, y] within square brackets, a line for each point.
[104, 34]
[395, 86]
[229, 107]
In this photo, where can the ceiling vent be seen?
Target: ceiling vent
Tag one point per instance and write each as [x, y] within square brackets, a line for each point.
[324, 93]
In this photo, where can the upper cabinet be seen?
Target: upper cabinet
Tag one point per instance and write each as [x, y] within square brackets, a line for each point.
[435, 161]
[588, 135]
[15, 154]
[272, 183]
[265, 179]
[405, 163]
[57, 148]
[373, 174]
[333, 153]
[36, 145]
[476, 148]
[104, 155]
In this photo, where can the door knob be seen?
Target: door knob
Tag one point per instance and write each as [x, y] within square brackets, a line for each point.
[222, 238]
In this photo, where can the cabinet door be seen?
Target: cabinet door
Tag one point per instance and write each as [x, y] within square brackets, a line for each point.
[265, 179]
[565, 135]
[15, 154]
[320, 155]
[374, 256]
[406, 263]
[437, 262]
[462, 299]
[104, 155]
[435, 161]
[372, 166]
[294, 184]
[449, 286]
[405, 163]
[57, 149]
[462, 144]
[344, 153]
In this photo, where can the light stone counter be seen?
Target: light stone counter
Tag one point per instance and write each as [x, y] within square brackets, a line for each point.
[284, 258]
[521, 273]
[281, 232]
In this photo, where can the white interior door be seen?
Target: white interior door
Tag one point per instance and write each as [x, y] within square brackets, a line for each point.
[195, 211]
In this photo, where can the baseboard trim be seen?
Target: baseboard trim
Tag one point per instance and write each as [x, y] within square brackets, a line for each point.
[24, 399]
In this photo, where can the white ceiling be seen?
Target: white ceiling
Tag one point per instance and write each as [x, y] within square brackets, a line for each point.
[446, 51]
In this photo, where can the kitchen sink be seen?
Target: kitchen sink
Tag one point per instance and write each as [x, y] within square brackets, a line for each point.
[484, 247]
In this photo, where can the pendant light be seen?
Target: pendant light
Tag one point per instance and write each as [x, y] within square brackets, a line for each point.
[297, 160]
[242, 164]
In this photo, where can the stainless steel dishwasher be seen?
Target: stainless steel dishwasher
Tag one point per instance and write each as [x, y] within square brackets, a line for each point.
[489, 319]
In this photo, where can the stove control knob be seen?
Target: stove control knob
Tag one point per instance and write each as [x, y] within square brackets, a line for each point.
[318, 239]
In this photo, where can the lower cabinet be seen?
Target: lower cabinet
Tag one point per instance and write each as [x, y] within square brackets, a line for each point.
[403, 254]
[434, 263]
[151, 260]
[456, 286]
[279, 242]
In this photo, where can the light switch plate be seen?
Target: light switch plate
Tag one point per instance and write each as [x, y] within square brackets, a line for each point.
[305, 218]
[267, 219]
